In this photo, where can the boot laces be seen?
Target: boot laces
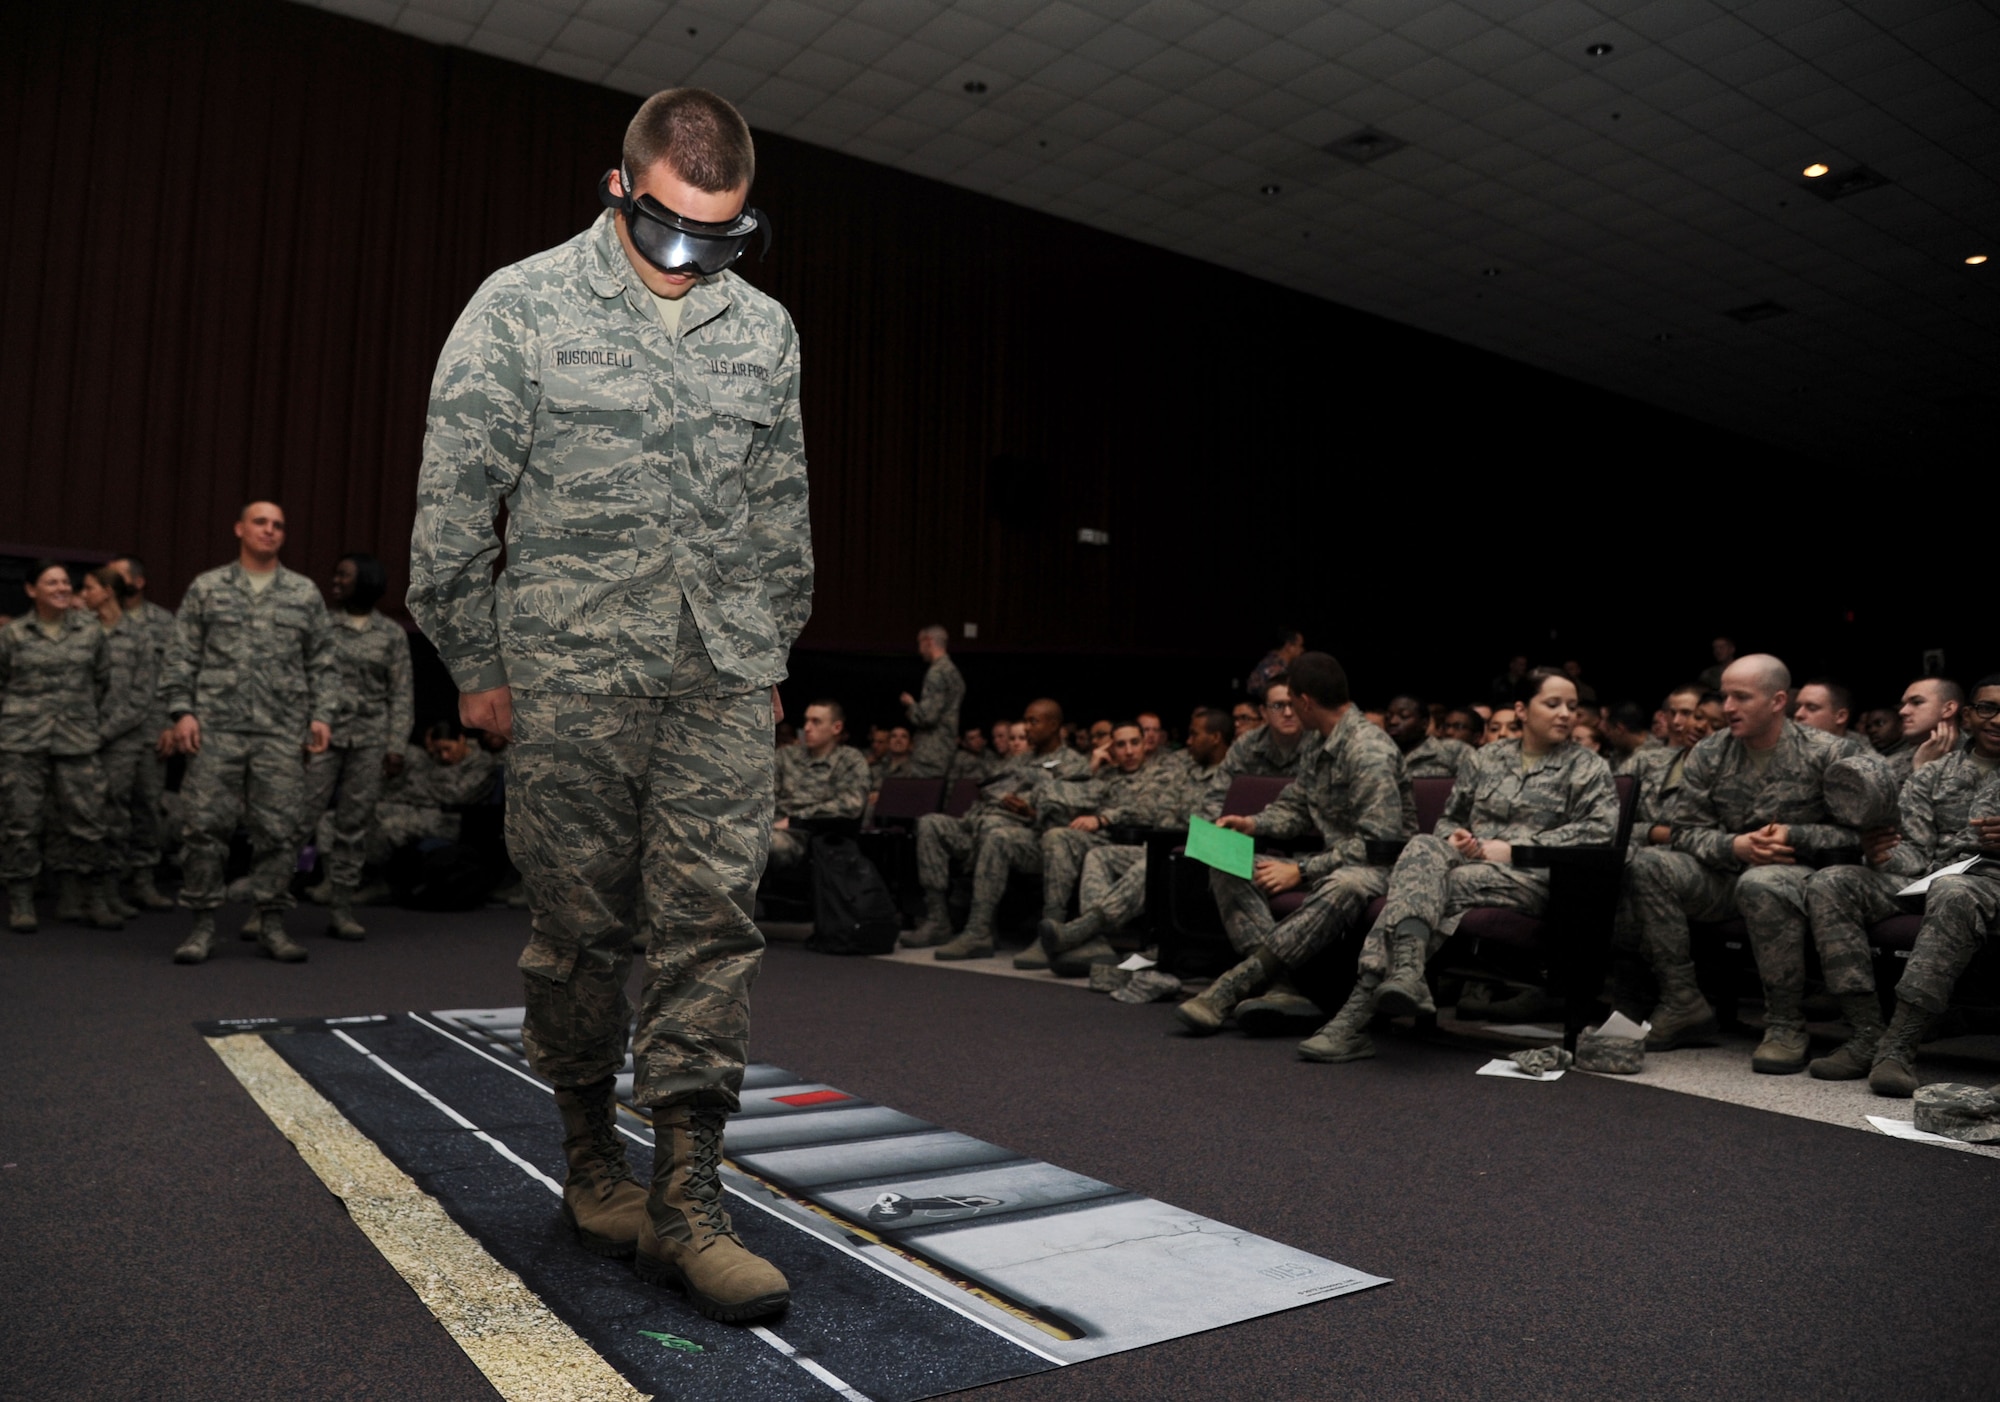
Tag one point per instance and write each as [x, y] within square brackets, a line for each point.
[704, 1180]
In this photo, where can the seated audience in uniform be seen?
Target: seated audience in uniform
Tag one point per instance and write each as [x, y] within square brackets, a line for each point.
[820, 782]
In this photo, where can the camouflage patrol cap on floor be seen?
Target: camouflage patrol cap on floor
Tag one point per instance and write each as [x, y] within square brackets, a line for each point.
[1147, 986]
[1615, 1056]
[1959, 1112]
[1542, 1060]
[1861, 791]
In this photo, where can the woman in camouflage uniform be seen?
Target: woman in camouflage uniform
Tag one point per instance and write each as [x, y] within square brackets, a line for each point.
[129, 740]
[54, 671]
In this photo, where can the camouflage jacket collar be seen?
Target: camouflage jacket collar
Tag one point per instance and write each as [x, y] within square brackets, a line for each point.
[611, 275]
[239, 578]
[29, 625]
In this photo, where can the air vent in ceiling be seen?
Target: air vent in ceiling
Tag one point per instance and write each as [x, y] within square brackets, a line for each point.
[1364, 146]
[1839, 184]
[1756, 311]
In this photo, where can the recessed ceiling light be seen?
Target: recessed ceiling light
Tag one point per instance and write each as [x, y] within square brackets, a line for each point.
[1489, 272]
[975, 87]
[1816, 170]
[1269, 189]
[1976, 259]
[1598, 50]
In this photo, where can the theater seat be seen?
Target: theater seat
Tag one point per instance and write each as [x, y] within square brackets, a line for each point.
[1896, 934]
[964, 793]
[900, 802]
[1179, 906]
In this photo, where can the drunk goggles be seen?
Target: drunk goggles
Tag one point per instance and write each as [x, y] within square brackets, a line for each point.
[675, 244]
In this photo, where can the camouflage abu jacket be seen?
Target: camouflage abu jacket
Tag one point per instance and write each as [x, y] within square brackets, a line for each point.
[374, 703]
[1351, 787]
[256, 662]
[1724, 795]
[635, 466]
[1568, 800]
[51, 688]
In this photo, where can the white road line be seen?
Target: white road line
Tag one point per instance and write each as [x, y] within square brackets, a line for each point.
[463, 1123]
[852, 1394]
[865, 1257]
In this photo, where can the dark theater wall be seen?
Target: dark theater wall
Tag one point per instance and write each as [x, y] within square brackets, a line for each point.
[234, 233]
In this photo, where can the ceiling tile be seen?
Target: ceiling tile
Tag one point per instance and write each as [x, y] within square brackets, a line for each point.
[518, 19]
[433, 27]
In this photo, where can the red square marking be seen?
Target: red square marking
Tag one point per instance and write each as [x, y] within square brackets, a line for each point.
[812, 1097]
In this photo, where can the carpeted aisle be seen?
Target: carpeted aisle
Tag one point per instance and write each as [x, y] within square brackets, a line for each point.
[1585, 1238]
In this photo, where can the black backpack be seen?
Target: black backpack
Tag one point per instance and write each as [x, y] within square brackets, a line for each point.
[853, 912]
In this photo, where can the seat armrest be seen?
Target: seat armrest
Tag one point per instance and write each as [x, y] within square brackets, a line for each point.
[1584, 858]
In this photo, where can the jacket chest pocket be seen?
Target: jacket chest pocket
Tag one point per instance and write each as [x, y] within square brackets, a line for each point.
[593, 494]
[587, 449]
[738, 413]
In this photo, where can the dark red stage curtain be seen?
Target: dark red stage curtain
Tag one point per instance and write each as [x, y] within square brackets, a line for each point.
[234, 233]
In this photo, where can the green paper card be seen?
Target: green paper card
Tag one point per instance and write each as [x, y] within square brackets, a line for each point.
[1220, 848]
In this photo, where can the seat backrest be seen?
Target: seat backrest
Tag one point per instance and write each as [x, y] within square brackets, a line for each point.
[1249, 795]
[908, 798]
[964, 793]
[1628, 792]
[1431, 795]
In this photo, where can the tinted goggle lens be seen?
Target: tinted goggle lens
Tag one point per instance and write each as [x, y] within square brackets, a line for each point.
[670, 244]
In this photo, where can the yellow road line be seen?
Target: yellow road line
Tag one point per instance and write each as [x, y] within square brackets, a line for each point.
[525, 1351]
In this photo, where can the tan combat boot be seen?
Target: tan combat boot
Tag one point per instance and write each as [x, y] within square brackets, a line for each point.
[1894, 1073]
[147, 891]
[602, 1202]
[974, 943]
[1682, 1017]
[1785, 1047]
[1078, 960]
[1205, 1013]
[279, 945]
[21, 908]
[69, 898]
[1346, 1037]
[686, 1239]
[114, 897]
[200, 942]
[936, 926]
[340, 921]
[1856, 1056]
[1405, 991]
[99, 912]
[1279, 1010]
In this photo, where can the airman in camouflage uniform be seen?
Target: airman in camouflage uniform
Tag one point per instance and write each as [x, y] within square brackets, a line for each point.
[1264, 753]
[252, 677]
[1436, 758]
[933, 714]
[996, 836]
[1563, 799]
[427, 798]
[129, 756]
[1747, 826]
[373, 713]
[831, 785]
[1111, 889]
[1351, 788]
[145, 841]
[51, 691]
[1936, 828]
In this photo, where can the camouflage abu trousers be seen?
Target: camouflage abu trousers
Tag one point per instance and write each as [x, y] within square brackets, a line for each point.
[1064, 851]
[1843, 902]
[1334, 904]
[350, 780]
[1959, 912]
[72, 788]
[788, 849]
[944, 842]
[1113, 884]
[1001, 853]
[134, 779]
[1433, 883]
[1668, 889]
[260, 779]
[641, 815]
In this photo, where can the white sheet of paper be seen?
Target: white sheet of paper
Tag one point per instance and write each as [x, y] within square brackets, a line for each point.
[1905, 1129]
[1619, 1025]
[1527, 1029]
[1135, 962]
[1918, 887]
[1500, 1066]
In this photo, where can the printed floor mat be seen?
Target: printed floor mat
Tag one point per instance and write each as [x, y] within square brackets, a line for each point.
[921, 1260]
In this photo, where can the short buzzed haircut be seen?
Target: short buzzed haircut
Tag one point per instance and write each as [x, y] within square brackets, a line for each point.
[1841, 698]
[834, 710]
[1991, 679]
[1948, 690]
[1214, 719]
[703, 140]
[935, 634]
[1772, 675]
[1318, 675]
[134, 565]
